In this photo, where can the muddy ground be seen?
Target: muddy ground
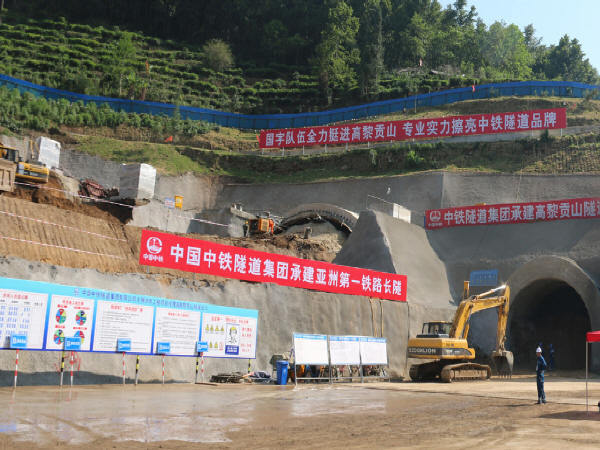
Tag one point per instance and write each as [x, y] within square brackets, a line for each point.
[491, 414]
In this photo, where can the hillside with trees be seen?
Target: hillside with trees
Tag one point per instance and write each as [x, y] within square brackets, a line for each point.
[263, 56]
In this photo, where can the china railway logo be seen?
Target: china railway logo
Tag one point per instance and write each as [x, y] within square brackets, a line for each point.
[435, 216]
[154, 245]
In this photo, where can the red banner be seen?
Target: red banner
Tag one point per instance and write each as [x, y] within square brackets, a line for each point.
[401, 130]
[579, 208]
[194, 255]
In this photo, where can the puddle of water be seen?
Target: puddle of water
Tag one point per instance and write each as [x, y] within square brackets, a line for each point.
[154, 414]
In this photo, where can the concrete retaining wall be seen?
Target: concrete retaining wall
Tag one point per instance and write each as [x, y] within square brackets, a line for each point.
[282, 311]
[80, 166]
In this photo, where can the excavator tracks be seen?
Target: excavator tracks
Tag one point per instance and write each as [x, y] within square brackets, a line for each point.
[465, 371]
[437, 370]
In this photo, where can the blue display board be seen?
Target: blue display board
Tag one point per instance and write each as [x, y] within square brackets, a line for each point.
[123, 345]
[18, 341]
[48, 313]
[484, 278]
[73, 343]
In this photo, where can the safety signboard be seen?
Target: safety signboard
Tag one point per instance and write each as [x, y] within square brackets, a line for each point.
[53, 316]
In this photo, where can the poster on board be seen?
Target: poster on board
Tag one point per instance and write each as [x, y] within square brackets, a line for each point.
[48, 311]
[22, 312]
[344, 350]
[179, 327]
[373, 351]
[119, 320]
[229, 336]
[69, 317]
[310, 349]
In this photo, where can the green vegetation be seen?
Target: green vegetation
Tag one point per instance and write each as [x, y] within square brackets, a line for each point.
[570, 154]
[261, 56]
[26, 111]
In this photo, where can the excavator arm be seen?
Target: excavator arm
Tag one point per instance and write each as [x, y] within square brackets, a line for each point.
[495, 298]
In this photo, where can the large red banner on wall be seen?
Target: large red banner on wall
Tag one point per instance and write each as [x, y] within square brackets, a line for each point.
[578, 208]
[194, 255]
[401, 130]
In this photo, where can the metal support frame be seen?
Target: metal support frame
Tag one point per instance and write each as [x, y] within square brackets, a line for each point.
[361, 369]
[312, 378]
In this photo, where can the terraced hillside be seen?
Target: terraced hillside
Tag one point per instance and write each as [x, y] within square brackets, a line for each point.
[117, 63]
[81, 58]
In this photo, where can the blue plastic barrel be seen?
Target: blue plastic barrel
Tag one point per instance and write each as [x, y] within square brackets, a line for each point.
[282, 372]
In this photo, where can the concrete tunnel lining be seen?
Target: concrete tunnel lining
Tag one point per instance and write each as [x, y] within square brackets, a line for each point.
[553, 301]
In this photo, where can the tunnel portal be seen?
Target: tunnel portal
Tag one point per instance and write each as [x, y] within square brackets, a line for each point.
[552, 312]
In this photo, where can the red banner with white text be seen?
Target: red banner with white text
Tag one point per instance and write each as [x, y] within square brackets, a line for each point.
[578, 208]
[194, 255]
[402, 130]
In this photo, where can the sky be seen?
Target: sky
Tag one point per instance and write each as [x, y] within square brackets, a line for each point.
[551, 19]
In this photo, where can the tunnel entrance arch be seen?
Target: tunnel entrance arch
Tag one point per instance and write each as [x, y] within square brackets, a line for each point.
[554, 302]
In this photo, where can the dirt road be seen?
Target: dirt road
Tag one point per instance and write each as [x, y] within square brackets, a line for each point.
[494, 414]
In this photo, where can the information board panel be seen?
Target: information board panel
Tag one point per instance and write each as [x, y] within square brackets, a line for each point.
[99, 318]
[69, 317]
[310, 349]
[484, 277]
[229, 336]
[179, 327]
[344, 350]
[22, 312]
[123, 320]
[373, 351]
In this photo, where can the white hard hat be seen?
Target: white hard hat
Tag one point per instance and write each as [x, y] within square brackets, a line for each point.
[538, 350]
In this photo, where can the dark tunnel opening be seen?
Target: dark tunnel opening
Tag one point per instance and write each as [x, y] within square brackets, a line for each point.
[551, 312]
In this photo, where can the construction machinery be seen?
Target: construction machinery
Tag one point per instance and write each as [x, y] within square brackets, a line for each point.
[261, 225]
[445, 343]
[25, 171]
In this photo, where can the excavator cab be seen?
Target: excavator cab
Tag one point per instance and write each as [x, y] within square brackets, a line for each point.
[25, 171]
[435, 329]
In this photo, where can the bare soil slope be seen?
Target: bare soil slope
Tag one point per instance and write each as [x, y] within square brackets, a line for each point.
[43, 225]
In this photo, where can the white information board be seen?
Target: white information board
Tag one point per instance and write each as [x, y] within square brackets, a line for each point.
[22, 313]
[69, 317]
[310, 349]
[229, 336]
[344, 350]
[179, 327]
[373, 351]
[119, 320]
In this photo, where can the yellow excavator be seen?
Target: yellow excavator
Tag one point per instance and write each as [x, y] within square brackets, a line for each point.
[445, 343]
[25, 171]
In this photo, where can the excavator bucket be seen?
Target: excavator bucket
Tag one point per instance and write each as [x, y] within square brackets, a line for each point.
[504, 361]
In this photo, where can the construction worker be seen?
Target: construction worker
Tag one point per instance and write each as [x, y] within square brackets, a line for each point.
[539, 375]
[245, 228]
[271, 226]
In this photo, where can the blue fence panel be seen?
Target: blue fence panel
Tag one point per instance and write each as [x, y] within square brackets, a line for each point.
[246, 121]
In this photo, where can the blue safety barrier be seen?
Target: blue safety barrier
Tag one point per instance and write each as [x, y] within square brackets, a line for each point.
[269, 121]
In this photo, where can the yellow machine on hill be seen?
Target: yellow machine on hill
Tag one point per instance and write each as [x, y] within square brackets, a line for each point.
[25, 171]
[445, 343]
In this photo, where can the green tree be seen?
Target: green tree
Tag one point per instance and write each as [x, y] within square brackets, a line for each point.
[566, 61]
[218, 55]
[504, 49]
[337, 53]
[416, 40]
[370, 43]
[122, 60]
